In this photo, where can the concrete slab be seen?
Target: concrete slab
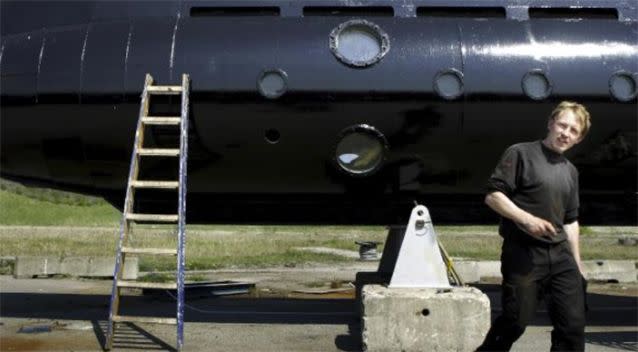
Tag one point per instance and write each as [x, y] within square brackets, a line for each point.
[257, 324]
[423, 319]
[27, 267]
[605, 270]
[468, 271]
[611, 270]
[324, 250]
[489, 268]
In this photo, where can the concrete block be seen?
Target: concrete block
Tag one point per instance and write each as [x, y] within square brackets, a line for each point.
[606, 270]
[468, 271]
[97, 267]
[474, 271]
[76, 266]
[423, 319]
[27, 267]
[489, 268]
[611, 270]
[131, 269]
[628, 241]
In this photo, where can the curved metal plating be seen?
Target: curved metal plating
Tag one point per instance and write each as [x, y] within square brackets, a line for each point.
[71, 82]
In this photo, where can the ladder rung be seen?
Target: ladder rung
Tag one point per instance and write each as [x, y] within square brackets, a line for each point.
[131, 319]
[152, 217]
[155, 184]
[158, 152]
[164, 89]
[159, 251]
[156, 120]
[137, 284]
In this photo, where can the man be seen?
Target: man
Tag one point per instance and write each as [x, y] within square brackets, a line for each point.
[535, 190]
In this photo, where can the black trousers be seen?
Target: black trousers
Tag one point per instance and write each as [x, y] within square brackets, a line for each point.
[531, 272]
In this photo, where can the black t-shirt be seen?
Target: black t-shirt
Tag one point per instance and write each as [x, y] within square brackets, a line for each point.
[539, 181]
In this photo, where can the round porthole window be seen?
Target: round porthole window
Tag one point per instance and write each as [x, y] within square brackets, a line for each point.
[361, 150]
[622, 86]
[536, 85]
[272, 83]
[272, 136]
[359, 43]
[449, 84]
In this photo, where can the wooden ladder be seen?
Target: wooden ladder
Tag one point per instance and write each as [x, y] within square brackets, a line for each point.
[129, 216]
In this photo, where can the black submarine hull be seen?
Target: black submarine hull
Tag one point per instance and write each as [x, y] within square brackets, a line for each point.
[70, 102]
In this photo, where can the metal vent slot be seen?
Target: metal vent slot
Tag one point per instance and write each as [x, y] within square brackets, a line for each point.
[461, 12]
[358, 11]
[574, 13]
[208, 11]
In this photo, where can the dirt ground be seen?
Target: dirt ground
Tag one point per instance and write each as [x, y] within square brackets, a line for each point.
[289, 309]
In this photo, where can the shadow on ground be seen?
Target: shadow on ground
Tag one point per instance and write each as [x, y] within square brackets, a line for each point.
[621, 340]
[605, 311]
[218, 310]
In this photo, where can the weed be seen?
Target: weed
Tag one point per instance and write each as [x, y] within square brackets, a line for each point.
[157, 277]
[196, 278]
[315, 284]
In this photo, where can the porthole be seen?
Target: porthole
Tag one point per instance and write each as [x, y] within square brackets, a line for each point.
[272, 83]
[622, 86]
[449, 84]
[536, 85]
[361, 150]
[359, 43]
[272, 136]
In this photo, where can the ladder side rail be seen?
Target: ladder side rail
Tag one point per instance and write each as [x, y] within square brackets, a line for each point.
[128, 205]
[137, 145]
[181, 225]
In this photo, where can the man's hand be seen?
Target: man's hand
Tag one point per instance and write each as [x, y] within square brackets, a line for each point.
[581, 268]
[537, 227]
[527, 222]
[572, 230]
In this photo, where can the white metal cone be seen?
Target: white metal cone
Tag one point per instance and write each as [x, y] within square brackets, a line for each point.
[419, 263]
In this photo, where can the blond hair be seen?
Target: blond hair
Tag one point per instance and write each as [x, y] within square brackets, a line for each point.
[577, 109]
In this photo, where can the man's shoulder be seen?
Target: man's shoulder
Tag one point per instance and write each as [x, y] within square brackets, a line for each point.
[524, 146]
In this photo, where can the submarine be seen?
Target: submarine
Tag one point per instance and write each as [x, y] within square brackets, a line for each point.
[324, 111]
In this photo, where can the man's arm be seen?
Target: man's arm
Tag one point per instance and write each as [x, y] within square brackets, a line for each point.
[572, 230]
[531, 224]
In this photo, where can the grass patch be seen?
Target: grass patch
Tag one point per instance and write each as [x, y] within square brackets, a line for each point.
[473, 247]
[204, 250]
[225, 246]
[157, 277]
[254, 247]
[170, 277]
[49, 195]
[315, 284]
[196, 278]
[18, 209]
[6, 266]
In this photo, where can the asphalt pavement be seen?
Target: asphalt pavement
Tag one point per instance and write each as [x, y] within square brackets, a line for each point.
[282, 313]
